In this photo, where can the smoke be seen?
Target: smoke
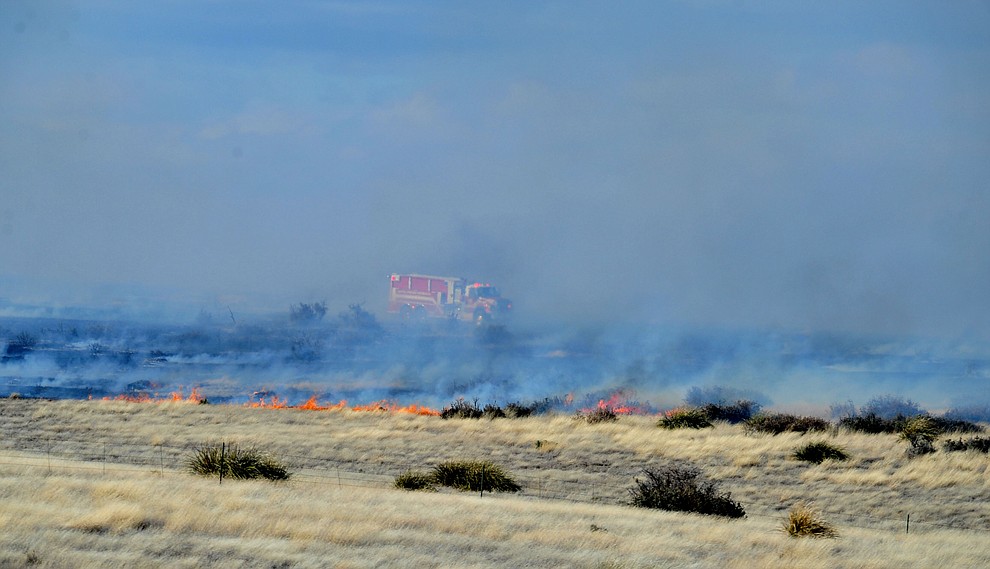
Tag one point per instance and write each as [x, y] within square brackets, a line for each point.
[354, 357]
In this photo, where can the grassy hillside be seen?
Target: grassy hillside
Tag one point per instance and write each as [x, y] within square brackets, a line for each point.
[101, 484]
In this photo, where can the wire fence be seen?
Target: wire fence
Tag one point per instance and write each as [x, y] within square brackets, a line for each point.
[108, 458]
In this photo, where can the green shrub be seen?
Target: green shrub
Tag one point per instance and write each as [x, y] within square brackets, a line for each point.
[980, 444]
[682, 489]
[803, 521]
[475, 476]
[236, 463]
[412, 480]
[684, 418]
[776, 423]
[819, 452]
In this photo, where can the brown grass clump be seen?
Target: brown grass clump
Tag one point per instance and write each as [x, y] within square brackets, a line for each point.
[805, 521]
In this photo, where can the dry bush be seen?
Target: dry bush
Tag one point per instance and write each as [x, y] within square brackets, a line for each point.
[685, 418]
[737, 412]
[804, 521]
[980, 444]
[461, 409]
[603, 414]
[683, 489]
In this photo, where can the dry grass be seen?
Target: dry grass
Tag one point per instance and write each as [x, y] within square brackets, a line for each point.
[154, 517]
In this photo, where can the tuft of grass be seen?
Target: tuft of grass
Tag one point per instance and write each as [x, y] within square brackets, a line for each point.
[683, 489]
[819, 452]
[236, 463]
[804, 521]
[413, 480]
[603, 414]
[685, 418]
[776, 423]
[474, 476]
[921, 432]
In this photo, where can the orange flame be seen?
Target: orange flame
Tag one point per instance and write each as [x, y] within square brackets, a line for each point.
[618, 402]
[313, 404]
[195, 396]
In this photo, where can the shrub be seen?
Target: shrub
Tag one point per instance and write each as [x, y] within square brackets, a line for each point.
[735, 413]
[819, 452]
[518, 410]
[474, 475]
[872, 424]
[461, 409]
[492, 412]
[776, 423]
[412, 480]
[684, 418]
[921, 432]
[602, 414]
[803, 521]
[683, 489]
[891, 407]
[236, 463]
[981, 444]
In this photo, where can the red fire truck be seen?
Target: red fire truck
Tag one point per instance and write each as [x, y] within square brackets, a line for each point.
[420, 296]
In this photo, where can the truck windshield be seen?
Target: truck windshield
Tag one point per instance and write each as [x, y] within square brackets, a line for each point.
[486, 292]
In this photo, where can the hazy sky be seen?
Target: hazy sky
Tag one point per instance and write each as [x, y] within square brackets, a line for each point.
[811, 165]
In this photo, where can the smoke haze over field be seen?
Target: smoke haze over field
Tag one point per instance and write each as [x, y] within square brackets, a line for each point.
[740, 165]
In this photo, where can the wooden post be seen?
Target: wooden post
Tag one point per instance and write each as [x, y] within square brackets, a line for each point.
[223, 451]
[482, 494]
[907, 527]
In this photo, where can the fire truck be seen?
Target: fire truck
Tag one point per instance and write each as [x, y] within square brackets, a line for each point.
[415, 296]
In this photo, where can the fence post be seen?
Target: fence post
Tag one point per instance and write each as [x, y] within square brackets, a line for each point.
[223, 450]
[907, 527]
[482, 494]
[161, 456]
[104, 458]
[49, 453]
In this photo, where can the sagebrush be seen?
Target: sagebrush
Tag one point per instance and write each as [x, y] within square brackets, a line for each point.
[683, 489]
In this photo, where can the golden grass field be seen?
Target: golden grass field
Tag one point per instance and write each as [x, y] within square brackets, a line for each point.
[101, 484]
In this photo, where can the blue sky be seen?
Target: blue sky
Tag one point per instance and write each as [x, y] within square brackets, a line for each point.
[801, 165]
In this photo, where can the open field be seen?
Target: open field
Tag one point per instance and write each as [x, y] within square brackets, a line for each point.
[100, 484]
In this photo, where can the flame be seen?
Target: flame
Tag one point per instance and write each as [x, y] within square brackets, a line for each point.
[195, 396]
[313, 404]
[619, 403]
